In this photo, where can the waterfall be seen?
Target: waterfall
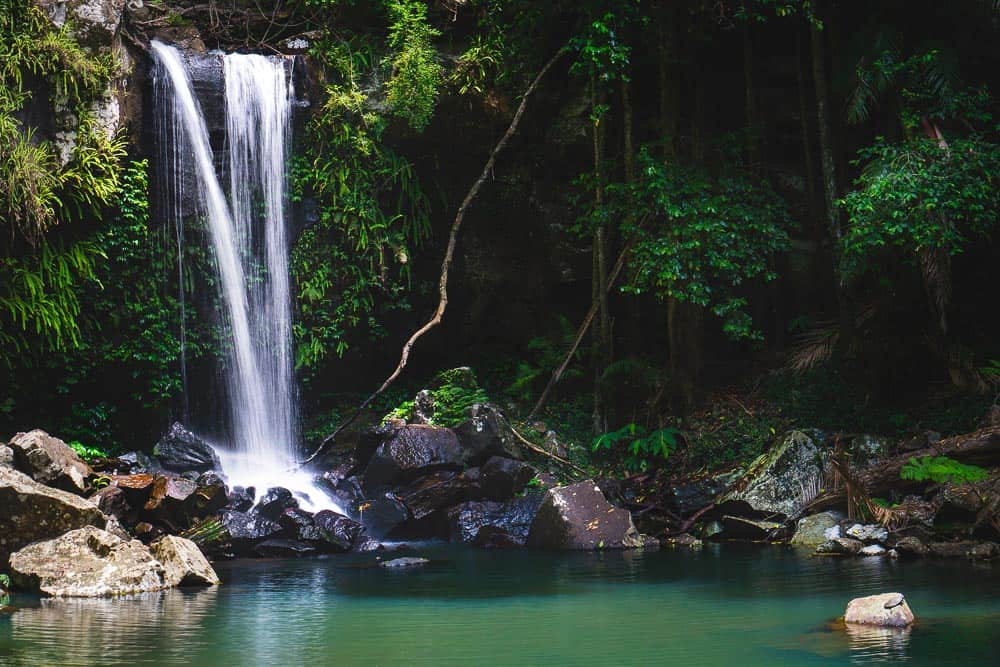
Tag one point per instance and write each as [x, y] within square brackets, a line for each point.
[248, 235]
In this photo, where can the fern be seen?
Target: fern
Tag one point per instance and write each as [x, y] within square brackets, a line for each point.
[939, 469]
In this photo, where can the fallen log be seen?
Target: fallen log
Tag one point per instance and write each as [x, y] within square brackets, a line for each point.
[980, 448]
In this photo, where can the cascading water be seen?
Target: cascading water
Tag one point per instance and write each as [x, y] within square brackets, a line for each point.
[249, 240]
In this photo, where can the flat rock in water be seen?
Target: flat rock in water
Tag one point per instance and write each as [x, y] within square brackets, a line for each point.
[888, 610]
[840, 546]
[868, 532]
[818, 528]
[87, 562]
[183, 562]
[872, 550]
[406, 561]
[50, 461]
[579, 517]
[30, 511]
[278, 548]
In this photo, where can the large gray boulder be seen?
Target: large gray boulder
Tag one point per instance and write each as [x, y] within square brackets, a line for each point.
[781, 482]
[886, 610]
[579, 517]
[30, 511]
[818, 528]
[183, 562]
[50, 461]
[410, 452]
[181, 450]
[87, 562]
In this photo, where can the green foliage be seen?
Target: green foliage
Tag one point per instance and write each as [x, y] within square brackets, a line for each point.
[4, 581]
[412, 88]
[638, 448]
[940, 469]
[700, 239]
[87, 453]
[451, 393]
[352, 266]
[544, 354]
[915, 196]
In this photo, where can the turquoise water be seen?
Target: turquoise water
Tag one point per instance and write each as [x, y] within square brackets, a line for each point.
[727, 605]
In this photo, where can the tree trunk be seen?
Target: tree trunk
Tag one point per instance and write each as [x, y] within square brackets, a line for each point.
[599, 280]
[668, 80]
[752, 114]
[828, 158]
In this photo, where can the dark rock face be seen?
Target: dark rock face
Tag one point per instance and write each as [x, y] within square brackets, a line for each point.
[502, 478]
[494, 524]
[112, 501]
[336, 531]
[689, 497]
[279, 548]
[181, 450]
[298, 524]
[211, 495]
[275, 501]
[244, 529]
[240, 499]
[742, 528]
[345, 489]
[410, 452]
[50, 461]
[910, 547]
[434, 493]
[381, 515]
[30, 511]
[964, 549]
[579, 517]
[487, 434]
[841, 546]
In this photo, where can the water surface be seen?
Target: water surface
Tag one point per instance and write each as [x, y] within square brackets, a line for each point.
[727, 605]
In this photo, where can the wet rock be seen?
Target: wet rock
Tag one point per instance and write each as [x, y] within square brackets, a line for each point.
[492, 523]
[962, 504]
[690, 496]
[872, 550]
[183, 562]
[6, 456]
[868, 533]
[781, 482]
[298, 524]
[280, 548]
[381, 515]
[960, 549]
[579, 517]
[683, 540]
[885, 610]
[910, 547]
[840, 546]
[341, 484]
[50, 461]
[984, 551]
[181, 450]
[211, 494]
[240, 499]
[30, 511]
[434, 493]
[486, 433]
[136, 488]
[243, 529]
[337, 532]
[139, 462]
[275, 501]
[112, 501]
[742, 528]
[502, 478]
[406, 561]
[818, 528]
[713, 530]
[410, 452]
[87, 562]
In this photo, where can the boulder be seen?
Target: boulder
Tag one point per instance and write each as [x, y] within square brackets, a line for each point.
[743, 528]
[689, 496]
[240, 499]
[298, 524]
[183, 562]
[502, 478]
[780, 483]
[281, 548]
[486, 433]
[169, 495]
[887, 610]
[493, 523]
[840, 546]
[406, 561]
[30, 511]
[138, 462]
[50, 461]
[435, 493]
[411, 452]
[87, 562]
[910, 546]
[181, 450]
[868, 533]
[683, 540]
[112, 501]
[964, 549]
[818, 528]
[275, 501]
[211, 495]
[243, 529]
[137, 488]
[962, 504]
[6, 457]
[381, 515]
[984, 551]
[579, 517]
[341, 483]
[872, 550]
[336, 531]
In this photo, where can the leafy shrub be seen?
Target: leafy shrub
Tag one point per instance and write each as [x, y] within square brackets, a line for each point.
[87, 453]
[638, 449]
[941, 469]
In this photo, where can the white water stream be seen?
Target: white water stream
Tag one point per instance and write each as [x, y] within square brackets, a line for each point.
[249, 240]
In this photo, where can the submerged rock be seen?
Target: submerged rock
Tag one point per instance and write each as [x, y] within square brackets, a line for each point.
[87, 562]
[885, 610]
[31, 511]
[818, 528]
[181, 450]
[781, 482]
[406, 561]
[183, 562]
[579, 517]
[50, 461]
[410, 452]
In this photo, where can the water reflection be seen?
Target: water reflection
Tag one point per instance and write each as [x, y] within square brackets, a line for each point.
[89, 631]
[871, 644]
